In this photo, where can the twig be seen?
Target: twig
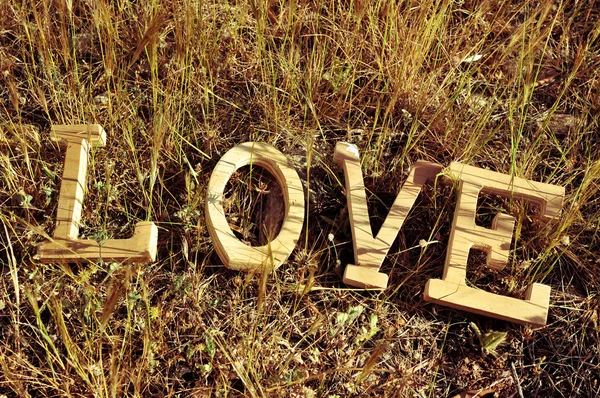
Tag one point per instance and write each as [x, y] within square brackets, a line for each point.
[514, 372]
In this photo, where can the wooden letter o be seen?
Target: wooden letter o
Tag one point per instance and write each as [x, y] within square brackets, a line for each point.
[234, 253]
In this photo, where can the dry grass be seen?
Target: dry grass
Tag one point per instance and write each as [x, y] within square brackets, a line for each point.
[178, 83]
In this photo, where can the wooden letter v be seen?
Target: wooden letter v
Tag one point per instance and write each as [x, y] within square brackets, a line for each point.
[369, 250]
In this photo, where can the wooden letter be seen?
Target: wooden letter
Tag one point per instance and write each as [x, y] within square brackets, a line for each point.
[234, 253]
[65, 247]
[370, 251]
[452, 290]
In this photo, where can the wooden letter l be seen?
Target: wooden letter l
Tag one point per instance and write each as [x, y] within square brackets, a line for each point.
[65, 247]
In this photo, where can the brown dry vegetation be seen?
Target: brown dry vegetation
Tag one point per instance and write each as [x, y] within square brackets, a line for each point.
[177, 83]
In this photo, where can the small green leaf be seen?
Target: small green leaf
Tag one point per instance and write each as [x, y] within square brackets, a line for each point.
[48, 191]
[492, 340]
[133, 297]
[354, 312]
[210, 346]
[25, 199]
[341, 318]
[373, 321]
[206, 368]
[49, 173]
[489, 341]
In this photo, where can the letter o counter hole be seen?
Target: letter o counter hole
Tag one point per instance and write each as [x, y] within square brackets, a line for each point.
[254, 205]
[228, 189]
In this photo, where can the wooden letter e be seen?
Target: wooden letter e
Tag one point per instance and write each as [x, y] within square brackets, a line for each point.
[452, 289]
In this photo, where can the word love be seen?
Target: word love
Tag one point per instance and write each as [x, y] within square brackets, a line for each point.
[369, 250]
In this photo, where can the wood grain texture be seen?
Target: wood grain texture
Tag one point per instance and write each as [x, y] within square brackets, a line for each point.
[452, 290]
[94, 134]
[65, 246]
[369, 250]
[234, 253]
[141, 247]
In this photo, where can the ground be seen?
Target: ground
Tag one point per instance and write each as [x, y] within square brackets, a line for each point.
[513, 87]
